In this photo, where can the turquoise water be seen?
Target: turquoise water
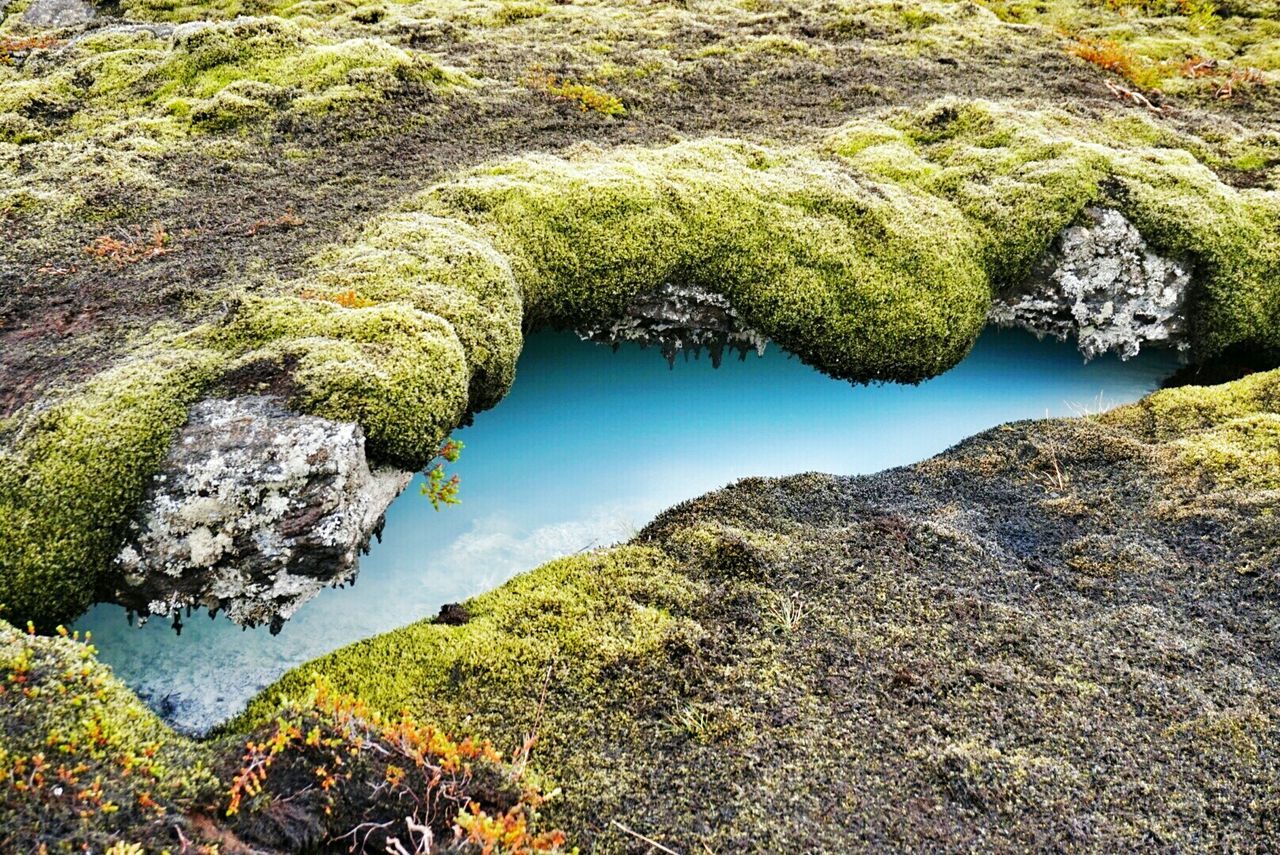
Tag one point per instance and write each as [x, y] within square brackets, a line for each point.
[589, 445]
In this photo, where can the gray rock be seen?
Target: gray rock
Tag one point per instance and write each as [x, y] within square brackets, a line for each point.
[681, 318]
[255, 510]
[1103, 284]
[58, 13]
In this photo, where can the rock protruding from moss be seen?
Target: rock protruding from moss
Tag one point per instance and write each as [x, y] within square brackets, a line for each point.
[1020, 177]
[255, 510]
[1101, 284]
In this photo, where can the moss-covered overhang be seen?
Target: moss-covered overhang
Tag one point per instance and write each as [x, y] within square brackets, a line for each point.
[874, 256]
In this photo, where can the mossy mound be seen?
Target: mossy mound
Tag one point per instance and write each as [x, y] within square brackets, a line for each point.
[874, 256]
[83, 763]
[864, 280]
[1019, 177]
[70, 469]
[1052, 636]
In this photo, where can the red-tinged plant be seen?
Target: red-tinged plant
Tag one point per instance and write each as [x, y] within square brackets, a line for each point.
[369, 783]
[132, 248]
[438, 489]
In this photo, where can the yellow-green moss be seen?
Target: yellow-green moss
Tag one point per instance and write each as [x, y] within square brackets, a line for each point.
[1020, 176]
[1230, 432]
[444, 268]
[83, 762]
[864, 279]
[399, 372]
[580, 617]
[1185, 410]
[73, 471]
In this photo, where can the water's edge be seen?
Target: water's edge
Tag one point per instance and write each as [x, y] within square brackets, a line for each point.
[589, 445]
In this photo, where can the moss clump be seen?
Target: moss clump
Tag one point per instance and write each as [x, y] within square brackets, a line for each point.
[444, 268]
[582, 628]
[204, 59]
[398, 372]
[1229, 432]
[83, 763]
[72, 471]
[865, 280]
[1019, 177]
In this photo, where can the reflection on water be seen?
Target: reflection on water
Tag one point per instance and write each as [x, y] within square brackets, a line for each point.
[588, 446]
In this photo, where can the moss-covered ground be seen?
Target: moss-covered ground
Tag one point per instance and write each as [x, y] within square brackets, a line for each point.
[1053, 637]
[873, 254]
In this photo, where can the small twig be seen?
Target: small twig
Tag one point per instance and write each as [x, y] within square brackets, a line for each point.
[1136, 97]
[638, 836]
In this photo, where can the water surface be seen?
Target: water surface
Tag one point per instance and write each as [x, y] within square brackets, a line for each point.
[589, 445]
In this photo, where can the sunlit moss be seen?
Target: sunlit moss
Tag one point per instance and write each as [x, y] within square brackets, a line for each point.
[865, 280]
[581, 617]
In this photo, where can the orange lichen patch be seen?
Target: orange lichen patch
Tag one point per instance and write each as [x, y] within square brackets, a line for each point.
[1114, 57]
[284, 222]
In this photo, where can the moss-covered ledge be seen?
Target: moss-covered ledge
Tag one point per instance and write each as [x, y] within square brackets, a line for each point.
[1053, 635]
[873, 256]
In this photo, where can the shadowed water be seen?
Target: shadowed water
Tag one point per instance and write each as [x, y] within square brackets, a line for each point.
[589, 445]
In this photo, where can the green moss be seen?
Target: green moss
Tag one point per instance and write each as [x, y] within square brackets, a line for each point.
[397, 371]
[75, 469]
[83, 763]
[177, 11]
[864, 280]
[443, 268]
[587, 620]
[1019, 177]
[1229, 432]
[1244, 452]
[215, 74]
[1186, 410]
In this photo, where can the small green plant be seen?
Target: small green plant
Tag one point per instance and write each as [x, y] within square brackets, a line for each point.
[786, 613]
[438, 489]
[693, 722]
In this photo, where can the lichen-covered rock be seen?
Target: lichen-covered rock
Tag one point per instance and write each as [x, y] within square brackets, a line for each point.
[680, 319]
[1103, 284]
[254, 511]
